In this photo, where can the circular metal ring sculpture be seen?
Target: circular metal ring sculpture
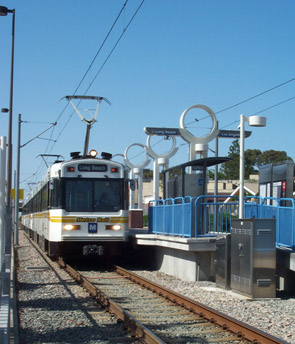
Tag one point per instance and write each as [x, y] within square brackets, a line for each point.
[155, 155]
[129, 164]
[189, 137]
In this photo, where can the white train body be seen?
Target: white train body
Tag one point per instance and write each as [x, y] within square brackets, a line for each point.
[80, 204]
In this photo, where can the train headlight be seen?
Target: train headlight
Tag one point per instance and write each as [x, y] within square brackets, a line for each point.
[113, 227]
[93, 153]
[69, 227]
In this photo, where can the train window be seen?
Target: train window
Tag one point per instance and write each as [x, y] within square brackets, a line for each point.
[44, 197]
[94, 195]
[34, 205]
[78, 195]
[55, 193]
[107, 195]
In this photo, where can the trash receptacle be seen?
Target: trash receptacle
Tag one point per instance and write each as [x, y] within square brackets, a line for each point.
[135, 218]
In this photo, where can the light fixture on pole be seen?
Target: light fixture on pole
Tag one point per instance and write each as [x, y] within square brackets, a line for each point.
[4, 12]
[254, 121]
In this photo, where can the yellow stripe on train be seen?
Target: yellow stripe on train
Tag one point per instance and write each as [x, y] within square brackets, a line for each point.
[40, 215]
[71, 219]
[62, 219]
[119, 220]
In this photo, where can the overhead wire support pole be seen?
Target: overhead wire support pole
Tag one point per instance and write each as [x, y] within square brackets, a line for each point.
[17, 189]
[9, 160]
[16, 207]
[5, 277]
[3, 144]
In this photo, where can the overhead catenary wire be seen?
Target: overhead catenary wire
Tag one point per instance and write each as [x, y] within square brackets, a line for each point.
[230, 107]
[256, 96]
[106, 59]
[260, 111]
[249, 99]
[87, 71]
[90, 66]
[273, 106]
[232, 123]
[101, 46]
[85, 74]
[95, 56]
[114, 47]
[237, 121]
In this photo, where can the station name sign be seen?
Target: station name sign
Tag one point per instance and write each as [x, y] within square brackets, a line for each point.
[162, 131]
[235, 134]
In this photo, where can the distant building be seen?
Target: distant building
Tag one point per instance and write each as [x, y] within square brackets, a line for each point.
[232, 187]
[225, 188]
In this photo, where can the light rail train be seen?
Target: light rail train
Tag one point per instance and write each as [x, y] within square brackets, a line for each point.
[80, 206]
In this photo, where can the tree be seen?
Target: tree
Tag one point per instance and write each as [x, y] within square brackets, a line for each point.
[230, 169]
[254, 158]
[251, 161]
[212, 175]
[271, 156]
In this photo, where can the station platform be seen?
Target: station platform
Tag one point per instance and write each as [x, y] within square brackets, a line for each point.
[190, 259]
[194, 259]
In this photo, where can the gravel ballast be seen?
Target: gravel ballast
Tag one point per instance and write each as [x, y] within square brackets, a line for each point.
[52, 308]
[273, 316]
[49, 314]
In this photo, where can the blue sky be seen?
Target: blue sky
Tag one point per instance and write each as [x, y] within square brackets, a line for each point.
[174, 54]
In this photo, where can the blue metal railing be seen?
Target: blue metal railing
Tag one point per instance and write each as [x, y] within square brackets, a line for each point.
[172, 216]
[252, 207]
[215, 217]
[196, 217]
[285, 235]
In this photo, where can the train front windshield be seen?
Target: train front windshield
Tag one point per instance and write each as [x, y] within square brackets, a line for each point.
[94, 195]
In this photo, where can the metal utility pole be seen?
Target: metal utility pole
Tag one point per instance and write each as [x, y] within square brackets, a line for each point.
[3, 12]
[16, 208]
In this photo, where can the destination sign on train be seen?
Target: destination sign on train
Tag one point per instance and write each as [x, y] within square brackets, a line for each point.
[162, 131]
[92, 168]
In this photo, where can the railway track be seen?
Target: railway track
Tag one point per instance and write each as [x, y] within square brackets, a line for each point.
[158, 315]
[150, 313]
[52, 308]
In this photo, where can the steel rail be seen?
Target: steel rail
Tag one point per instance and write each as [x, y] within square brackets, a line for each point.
[130, 324]
[137, 329]
[239, 328]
